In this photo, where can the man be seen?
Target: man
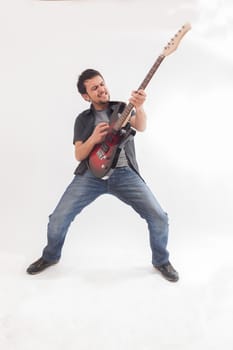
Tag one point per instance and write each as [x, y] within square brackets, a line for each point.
[125, 182]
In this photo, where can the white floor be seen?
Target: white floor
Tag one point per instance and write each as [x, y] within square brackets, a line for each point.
[111, 298]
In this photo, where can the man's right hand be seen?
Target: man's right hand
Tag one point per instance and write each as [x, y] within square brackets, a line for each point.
[83, 149]
[100, 132]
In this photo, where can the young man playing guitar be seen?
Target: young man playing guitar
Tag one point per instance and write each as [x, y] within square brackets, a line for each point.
[107, 164]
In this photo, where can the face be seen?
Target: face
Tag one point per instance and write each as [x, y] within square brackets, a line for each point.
[97, 92]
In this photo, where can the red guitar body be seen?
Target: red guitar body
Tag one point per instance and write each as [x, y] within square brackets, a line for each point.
[104, 156]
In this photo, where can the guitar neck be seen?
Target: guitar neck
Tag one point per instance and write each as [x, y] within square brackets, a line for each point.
[151, 72]
[169, 48]
[142, 86]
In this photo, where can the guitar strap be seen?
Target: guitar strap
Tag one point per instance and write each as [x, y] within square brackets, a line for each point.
[126, 131]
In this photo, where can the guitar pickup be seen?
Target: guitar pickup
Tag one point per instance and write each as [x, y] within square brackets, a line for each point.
[104, 147]
[100, 154]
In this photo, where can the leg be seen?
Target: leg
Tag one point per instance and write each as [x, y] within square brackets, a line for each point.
[82, 191]
[131, 189]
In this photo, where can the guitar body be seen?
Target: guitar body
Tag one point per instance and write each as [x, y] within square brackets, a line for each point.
[104, 156]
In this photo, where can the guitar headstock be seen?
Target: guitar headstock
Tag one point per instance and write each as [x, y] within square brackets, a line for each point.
[174, 42]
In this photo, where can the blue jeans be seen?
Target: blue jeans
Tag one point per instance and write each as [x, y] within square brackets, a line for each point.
[126, 185]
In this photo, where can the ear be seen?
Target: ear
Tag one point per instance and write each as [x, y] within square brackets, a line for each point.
[86, 97]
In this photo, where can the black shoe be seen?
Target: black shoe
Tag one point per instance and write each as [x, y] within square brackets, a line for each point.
[168, 272]
[39, 266]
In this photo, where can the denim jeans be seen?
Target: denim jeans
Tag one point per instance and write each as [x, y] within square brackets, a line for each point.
[125, 184]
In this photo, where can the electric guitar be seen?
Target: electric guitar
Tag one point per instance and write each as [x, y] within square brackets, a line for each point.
[103, 157]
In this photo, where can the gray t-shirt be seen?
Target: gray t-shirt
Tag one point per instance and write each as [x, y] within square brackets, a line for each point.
[103, 116]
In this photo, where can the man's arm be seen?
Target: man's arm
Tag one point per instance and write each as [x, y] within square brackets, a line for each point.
[138, 121]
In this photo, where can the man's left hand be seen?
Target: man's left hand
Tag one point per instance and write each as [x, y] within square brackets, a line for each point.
[138, 98]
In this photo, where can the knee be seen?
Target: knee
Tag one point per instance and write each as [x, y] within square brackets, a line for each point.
[57, 222]
[162, 218]
[165, 217]
[158, 216]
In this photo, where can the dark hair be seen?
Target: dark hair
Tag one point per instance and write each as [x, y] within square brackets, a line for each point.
[85, 75]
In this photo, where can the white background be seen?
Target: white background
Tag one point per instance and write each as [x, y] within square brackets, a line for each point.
[104, 293]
